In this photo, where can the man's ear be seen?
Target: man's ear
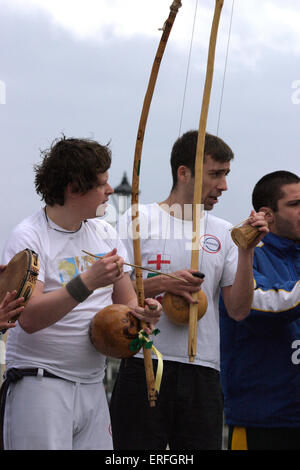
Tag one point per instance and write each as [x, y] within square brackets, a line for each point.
[71, 190]
[269, 214]
[183, 174]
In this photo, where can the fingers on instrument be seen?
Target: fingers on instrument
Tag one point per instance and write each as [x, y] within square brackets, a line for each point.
[20, 275]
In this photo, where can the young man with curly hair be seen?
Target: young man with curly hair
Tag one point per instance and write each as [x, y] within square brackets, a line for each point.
[56, 399]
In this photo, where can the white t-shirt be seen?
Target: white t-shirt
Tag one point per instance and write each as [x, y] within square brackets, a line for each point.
[63, 348]
[166, 247]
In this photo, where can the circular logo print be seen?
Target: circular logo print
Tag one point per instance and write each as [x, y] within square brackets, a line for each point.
[210, 243]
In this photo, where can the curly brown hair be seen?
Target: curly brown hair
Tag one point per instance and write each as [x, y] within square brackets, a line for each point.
[70, 160]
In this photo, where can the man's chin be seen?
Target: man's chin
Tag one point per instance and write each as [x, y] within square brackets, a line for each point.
[101, 210]
[208, 206]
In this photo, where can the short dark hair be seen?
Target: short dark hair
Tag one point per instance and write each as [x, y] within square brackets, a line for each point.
[70, 160]
[184, 151]
[268, 190]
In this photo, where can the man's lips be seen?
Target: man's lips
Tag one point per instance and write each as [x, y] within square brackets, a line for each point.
[213, 198]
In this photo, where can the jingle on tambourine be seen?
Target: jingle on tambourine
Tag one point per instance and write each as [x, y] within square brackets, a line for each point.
[244, 236]
[177, 308]
[113, 329]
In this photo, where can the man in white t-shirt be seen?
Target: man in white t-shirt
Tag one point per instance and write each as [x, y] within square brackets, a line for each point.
[189, 410]
[55, 397]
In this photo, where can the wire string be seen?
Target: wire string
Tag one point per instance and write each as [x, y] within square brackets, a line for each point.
[188, 69]
[225, 69]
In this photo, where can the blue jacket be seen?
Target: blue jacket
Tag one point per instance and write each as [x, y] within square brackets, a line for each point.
[260, 356]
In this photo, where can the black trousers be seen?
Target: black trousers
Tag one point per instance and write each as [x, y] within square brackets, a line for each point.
[188, 412]
[268, 438]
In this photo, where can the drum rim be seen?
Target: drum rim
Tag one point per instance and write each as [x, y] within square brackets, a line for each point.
[29, 271]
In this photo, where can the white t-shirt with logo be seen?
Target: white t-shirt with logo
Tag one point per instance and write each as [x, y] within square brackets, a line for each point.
[166, 247]
[63, 348]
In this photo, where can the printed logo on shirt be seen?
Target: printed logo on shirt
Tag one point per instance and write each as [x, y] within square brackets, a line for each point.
[210, 243]
[159, 262]
[68, 268]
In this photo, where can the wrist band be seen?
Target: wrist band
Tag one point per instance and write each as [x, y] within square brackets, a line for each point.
[77, 289]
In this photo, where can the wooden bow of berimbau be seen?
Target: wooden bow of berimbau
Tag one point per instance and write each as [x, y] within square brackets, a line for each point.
[197, 210]
[152, 393]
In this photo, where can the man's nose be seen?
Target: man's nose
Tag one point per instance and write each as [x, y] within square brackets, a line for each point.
[222, 186]
[110, 190]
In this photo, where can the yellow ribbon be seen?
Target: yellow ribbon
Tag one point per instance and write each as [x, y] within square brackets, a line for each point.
[160, 366]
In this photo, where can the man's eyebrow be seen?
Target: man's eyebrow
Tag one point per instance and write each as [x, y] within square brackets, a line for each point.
[219, 170]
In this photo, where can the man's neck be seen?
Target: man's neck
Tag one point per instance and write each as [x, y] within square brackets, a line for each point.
[64, 217]
[273, 230]
[177, 206]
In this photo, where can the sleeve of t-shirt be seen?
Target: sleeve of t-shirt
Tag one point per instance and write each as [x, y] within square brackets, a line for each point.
[123, 253]
[230, 262]
[273, 299]
[124, 229]
[20, 239]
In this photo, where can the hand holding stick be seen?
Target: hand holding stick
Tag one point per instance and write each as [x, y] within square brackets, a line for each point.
[142, 267]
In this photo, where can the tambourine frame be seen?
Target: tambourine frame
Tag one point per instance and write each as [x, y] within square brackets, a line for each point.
[23, 285]
[32, 270]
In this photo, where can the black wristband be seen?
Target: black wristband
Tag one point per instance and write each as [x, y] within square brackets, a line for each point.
[77, 289]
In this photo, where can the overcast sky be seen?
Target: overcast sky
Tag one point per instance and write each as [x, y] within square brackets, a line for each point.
[81, 68]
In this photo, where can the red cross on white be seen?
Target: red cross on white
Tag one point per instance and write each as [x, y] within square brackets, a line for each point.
[159, 261]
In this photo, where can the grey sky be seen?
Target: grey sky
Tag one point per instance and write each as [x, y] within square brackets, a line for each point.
[92, 84]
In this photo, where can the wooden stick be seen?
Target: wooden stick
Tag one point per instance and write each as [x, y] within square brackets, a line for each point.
[142, 267]
[176, 4]
[192, 343]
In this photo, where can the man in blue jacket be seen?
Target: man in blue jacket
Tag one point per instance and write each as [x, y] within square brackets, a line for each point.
[260, 356]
